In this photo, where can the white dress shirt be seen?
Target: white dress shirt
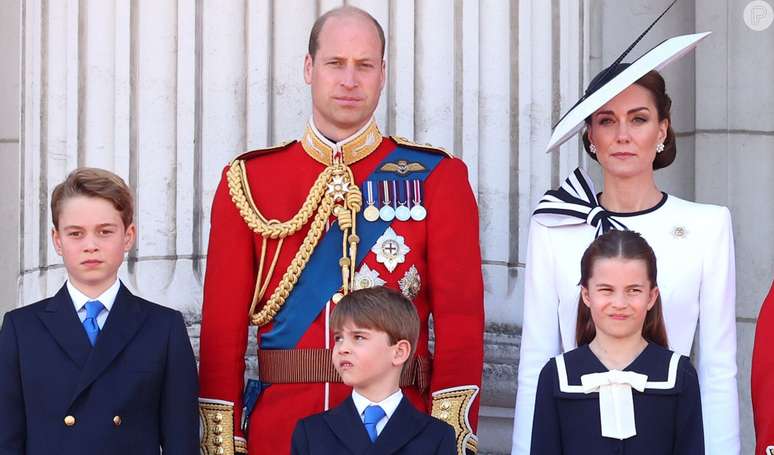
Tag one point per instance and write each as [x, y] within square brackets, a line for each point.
[388, 405]
[107, 299]
[695, 259]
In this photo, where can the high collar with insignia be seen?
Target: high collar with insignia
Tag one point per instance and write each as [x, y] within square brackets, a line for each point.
[349, 150]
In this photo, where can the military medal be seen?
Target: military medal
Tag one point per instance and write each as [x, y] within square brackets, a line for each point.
[371, 213]
[386, 213]
[367, 278]
[418, 212]
[338, 188]
[390, 249]
[402, 213]
[410, 284]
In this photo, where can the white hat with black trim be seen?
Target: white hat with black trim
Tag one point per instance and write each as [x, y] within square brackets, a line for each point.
[619, 76]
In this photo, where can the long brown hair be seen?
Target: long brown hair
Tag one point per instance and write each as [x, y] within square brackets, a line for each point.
[625, 245]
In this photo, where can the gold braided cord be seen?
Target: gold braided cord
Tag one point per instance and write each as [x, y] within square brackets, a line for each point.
[271, 268]
[354, 202]
[321, 202]
[273, 229]
[260, 287]
[289, 279]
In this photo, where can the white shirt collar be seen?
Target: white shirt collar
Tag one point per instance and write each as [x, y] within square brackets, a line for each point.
[107, 298]
[333, 145]
[389, 404]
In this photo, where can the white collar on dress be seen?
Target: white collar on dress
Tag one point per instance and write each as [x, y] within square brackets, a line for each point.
[565, 387]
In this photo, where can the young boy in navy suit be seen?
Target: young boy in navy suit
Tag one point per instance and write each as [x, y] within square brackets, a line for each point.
[95, 369]
[375, 331]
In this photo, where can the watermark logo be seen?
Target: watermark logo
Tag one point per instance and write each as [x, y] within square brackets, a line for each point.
[758, 15]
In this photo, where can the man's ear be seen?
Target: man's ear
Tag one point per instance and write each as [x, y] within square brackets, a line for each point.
[384, 75]
[308, 66]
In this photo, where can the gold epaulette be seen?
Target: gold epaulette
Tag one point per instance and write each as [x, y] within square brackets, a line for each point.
[427, 147]
[452, 405]
[263, 151]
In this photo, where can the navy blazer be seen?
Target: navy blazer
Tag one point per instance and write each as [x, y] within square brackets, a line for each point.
[132, 393]
[667, 413]
[340, 431]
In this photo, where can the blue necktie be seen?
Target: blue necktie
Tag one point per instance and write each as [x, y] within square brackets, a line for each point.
[93, 309]
[371, 416]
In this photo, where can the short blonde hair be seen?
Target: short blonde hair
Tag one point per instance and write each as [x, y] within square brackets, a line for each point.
[94, 182]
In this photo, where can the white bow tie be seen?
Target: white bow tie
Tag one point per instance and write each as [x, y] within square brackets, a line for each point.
[616, 407]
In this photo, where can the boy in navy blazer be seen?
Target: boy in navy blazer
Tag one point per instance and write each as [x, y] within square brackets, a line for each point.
[95, 369]
[375, 331]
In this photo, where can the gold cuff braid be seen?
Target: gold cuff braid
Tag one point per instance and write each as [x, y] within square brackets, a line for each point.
[452, 406]
[217, 427]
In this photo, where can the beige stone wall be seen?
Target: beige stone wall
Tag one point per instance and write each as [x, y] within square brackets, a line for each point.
[9, 153]
[165, 93]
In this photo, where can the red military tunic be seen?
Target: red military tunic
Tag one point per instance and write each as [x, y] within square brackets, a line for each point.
[763, 377]
[444, 250]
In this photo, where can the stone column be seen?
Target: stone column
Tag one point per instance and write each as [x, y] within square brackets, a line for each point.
[9, 153]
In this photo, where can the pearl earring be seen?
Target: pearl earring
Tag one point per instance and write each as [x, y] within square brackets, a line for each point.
[593, 149]
[660, 148]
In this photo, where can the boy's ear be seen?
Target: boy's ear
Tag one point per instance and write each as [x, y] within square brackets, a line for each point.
[57, 241]
[401, 353]
[130, 235]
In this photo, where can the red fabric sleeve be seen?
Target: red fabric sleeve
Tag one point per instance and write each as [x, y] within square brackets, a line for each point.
[456, 292]
[763, 376]
[228, 287]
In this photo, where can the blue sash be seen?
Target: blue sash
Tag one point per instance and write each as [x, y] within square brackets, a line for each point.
[321, 277]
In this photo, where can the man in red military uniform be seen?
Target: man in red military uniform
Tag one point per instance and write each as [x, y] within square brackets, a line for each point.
[296, 226]
[763, 377]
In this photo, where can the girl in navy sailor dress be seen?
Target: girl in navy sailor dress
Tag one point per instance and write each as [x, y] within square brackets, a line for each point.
[621, 391]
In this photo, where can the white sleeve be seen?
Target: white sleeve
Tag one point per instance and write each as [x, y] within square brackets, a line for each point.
[716, 356]
[540, 337]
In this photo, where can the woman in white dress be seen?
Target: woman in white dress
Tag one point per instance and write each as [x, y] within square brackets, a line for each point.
[628, 132]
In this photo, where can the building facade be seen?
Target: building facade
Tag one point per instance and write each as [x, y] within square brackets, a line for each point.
[165, 93]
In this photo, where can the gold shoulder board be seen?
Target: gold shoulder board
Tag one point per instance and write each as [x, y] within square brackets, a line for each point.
[427, 147]
[258, 152]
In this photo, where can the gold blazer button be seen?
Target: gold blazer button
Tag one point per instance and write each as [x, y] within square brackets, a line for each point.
[117, 421]
[69, 421]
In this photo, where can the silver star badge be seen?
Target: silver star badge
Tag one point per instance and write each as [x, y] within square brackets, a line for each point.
[410, 284]
[338, 188]
[367, 278]
[390, 249]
